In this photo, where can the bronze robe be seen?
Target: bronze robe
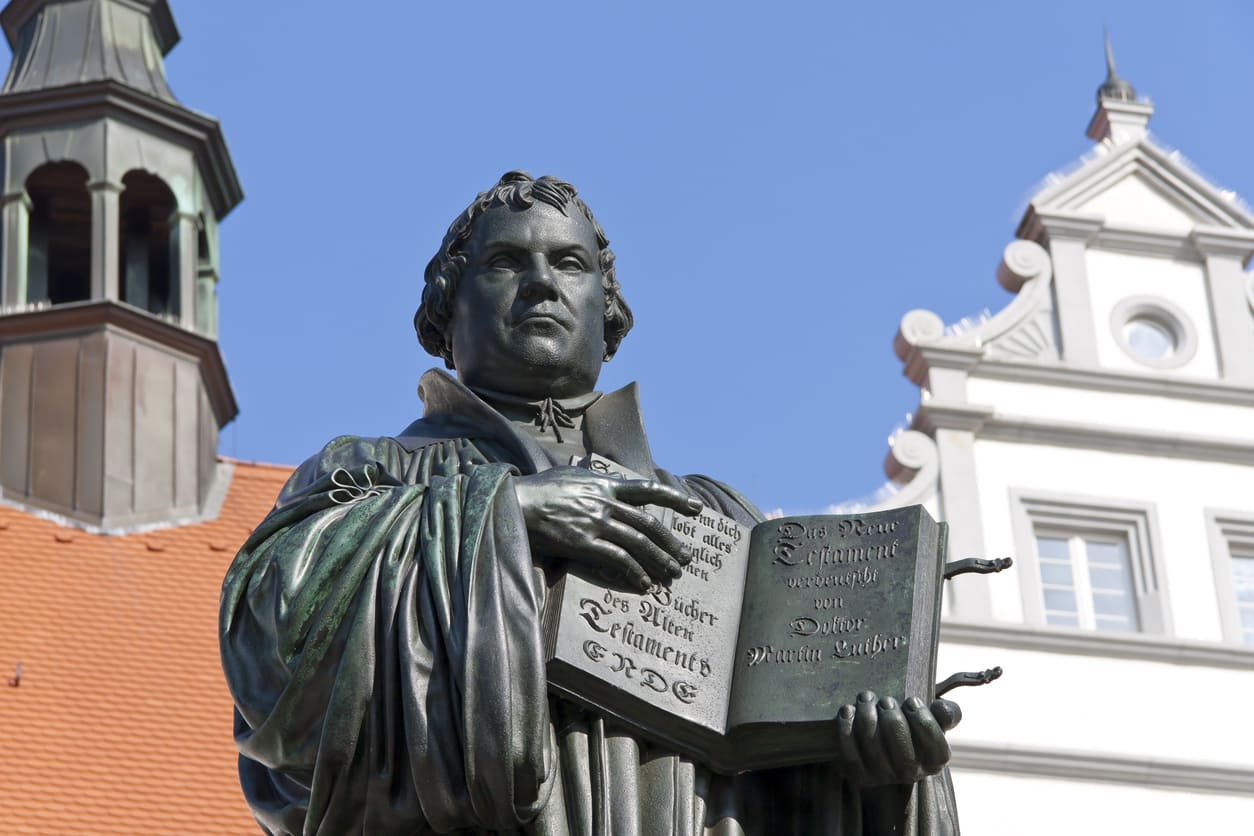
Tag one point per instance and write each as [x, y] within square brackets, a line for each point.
[380, 636]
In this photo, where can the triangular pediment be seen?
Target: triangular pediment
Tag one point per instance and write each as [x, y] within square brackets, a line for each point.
[1143, 186]
[1137, 200]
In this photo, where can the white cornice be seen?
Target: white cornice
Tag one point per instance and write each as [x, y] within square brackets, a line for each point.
[1044, 225]
[919, 359]
[1214, 240]
[1074, 765]
[934, 416]
[1140, 241]
[986, 424]
[1111, 439]
[1137, 646]
[1057, 374]
[1208, 204]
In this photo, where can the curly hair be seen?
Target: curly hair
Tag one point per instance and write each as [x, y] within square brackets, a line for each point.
[517, 190]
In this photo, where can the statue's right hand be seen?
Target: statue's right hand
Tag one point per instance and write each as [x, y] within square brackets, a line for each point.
[600, 522]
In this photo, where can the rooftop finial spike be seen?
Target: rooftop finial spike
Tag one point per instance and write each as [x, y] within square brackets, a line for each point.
[1114, 87]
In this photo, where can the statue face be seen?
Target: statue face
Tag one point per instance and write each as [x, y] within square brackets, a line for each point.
[529, 316]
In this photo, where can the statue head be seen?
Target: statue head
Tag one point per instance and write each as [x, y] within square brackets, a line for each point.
[518, 207]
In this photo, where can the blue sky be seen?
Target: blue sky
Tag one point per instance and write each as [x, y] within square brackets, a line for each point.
[780, 185]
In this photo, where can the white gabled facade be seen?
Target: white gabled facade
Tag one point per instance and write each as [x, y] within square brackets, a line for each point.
[1100, 430]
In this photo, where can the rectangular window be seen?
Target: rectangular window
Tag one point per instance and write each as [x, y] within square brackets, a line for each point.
[1086, 581]
[1090, 564]
[1232, 556]
[1243, 583]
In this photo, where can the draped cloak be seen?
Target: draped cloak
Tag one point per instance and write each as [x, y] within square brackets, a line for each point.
[380, 636]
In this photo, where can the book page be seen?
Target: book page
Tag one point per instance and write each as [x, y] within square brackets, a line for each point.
[830, 610]
[671, 647]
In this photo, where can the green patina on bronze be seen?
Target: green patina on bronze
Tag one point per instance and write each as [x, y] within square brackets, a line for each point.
[380, 631]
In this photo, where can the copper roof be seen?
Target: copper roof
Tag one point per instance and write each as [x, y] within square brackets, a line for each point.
[77, 41]
[121, 722]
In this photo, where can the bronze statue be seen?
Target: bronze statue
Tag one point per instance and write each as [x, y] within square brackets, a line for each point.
[380, 629]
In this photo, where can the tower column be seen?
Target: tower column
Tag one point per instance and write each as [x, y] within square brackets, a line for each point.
[207, 300]
[14, 239]
[183, 232]
[1225, 253]
[1068, 237]
[104, 239]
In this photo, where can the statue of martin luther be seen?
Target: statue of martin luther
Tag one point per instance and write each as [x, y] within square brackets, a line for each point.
[380, 629]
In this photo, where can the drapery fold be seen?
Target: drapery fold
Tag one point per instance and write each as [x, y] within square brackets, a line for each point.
[382, 650]
[380, 633]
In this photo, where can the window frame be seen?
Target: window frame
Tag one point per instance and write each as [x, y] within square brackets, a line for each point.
[1071, 515]
[1166, 314]
[1076, 544]
[1228, 531]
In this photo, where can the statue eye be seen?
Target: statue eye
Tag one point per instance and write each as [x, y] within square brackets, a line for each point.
[571, 264]
[503, 261]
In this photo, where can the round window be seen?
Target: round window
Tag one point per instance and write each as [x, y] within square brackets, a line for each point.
[1154, 332]
[1150, 337]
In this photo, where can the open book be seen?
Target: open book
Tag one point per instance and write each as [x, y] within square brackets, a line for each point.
[744, 661]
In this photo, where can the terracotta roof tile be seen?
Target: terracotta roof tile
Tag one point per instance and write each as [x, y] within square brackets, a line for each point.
[122, 721]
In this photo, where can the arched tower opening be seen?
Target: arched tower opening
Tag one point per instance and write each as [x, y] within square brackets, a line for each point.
[147, 274]
[59, 240]
[112, 387]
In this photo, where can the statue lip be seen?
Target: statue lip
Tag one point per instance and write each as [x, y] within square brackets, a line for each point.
[542, 314]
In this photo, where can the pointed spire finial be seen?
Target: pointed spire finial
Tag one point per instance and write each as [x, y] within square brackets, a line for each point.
[1114, 87]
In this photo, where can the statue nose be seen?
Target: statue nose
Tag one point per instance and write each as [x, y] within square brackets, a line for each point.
[538, 281]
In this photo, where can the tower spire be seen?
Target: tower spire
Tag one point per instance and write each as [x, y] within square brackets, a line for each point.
[1114, 87]
[1121, 117]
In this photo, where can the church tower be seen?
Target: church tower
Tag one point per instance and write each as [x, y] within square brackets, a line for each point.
[112, 388]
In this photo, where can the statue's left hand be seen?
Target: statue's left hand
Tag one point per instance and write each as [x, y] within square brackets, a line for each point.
[879, 741]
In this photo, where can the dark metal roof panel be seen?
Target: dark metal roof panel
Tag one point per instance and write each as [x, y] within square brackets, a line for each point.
[62, 42]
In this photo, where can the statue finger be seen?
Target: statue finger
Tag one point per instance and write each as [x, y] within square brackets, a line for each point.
[947, 713]
[647, 554]
[847, 757]
[930, 745]
[895, 737]
[615, 561]
[866, 732]
[653, 528]
[648, 492]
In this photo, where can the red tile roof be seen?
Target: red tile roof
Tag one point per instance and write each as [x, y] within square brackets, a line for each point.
[122, 721]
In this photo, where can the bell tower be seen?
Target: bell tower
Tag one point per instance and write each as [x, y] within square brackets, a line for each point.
[112, 388]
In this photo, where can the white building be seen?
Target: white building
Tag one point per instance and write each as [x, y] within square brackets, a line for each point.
[1100, 430]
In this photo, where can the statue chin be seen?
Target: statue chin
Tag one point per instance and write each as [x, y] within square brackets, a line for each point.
[537, 372]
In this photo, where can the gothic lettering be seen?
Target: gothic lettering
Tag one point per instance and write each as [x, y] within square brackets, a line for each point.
[858, 527]
[592, 612]
[650, 678]
[869, 647]
[769, 654]
[685, 692]
[805, 626]
[864, 576]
